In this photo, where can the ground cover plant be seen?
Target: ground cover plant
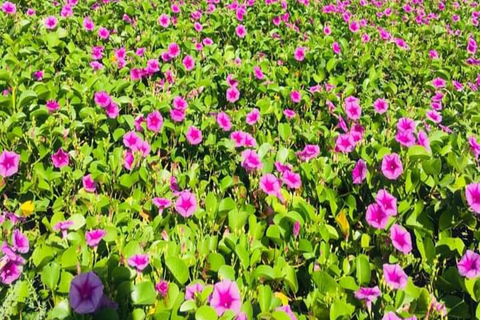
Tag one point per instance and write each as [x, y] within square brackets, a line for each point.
[258, 159]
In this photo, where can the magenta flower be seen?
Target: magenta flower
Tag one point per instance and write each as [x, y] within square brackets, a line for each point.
[86, 292]
[193, 289]
[138, 261]
[336, 48]
[162, 288]
[289, 113]
[20, 242]
[296, 229]
[401, 239]
[233, 94]
[223, 120]
[11, 270]
[63, 226]
[406, 125]
[376, 217]
[405, 138]
[434, 116]
[439, 83]
[112, 110]
[253, 116]
[291, 179]
[369, 295]
[226, 296]
[52, 105]
[258, 73]
[387, 202]
[154, 121]
[380, 105]
[345, 143]
[472, 194]
[194, 135]
[469, 265]
[188, 63]
[392, 166]
[310, 151]
[299, 54]
[164, 20]
[60, 159]
[295, 96]
[394, 276]
[9, 162]
[359, 172]
[422, 140]
[88, 183]
[9, 8]
[173, 50]
[241, 31]
[251, 161]
[270, 184]
[186, 204]
[51, 22]
[162, 203]
[88, 24]
[102, 99]
[103, 33]
[94, 237]
[352, 108]
[288, 311]
[131, 139]
[474, 146]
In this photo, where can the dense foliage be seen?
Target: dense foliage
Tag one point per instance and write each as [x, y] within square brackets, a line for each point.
[262, 159]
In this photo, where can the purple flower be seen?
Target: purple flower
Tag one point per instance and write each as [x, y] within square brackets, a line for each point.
[138, 261]
[469, 265]
[20, 242]
[392, 166]
[192, 289]
[86, 292]
[10, 270]
[162, 288]
[94, 237]
[394, 276]
[63, 226]
[359, 173]
[472, 194]
[368, 294]
[9, 162]
[226, 296]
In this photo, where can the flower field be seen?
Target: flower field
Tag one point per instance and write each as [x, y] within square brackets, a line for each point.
[234, 160]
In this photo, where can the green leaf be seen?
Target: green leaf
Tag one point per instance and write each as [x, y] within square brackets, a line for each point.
[363, 270]
[206, 313]
[418, 152]
[26, 97]
[265, 298]
[341, 310]
[143, 293]
[50, 275]
[178, 268]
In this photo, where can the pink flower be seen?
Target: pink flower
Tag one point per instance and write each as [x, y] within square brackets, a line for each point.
[299, 54]
[103, 33]
[392, 166]
[291, 179]
[102, 99]
[327, 30]
[192, 290]
[387, 202]
[434, 116]
[225, 296]
[368, 294]
[258, 73]
[270, 184]
[188, 63]
[186, 204]
[296, 229]
[380, 105]
[112, 110]
[94, 237]
[359, 172]
[405, 138]
[153, 66]
[233, 94]
[376, 217]
[20, 242]
[131, 139]
[241, 31]
[88, 24]
[51, 22]
[474, 146]
[352, 108]
[289, 113]
[173, 50]
[251, 161]
[472, 194]
[295, 96]
[194, 135]
[394, 276]
[128, 159]
[401, 239]
[439, 83]
[406, 125]
[154, 121]
[63, 226]
[88, 183]
[138, 261]
[336, 48]
[161, 203]
[310, 151]
[9, 162]
[345, 143]
[164, 20]
[223, 120]
[60, 159]
[422, 140]
[469, 265]
[253, 116]
[162, 288]
[9, 8]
